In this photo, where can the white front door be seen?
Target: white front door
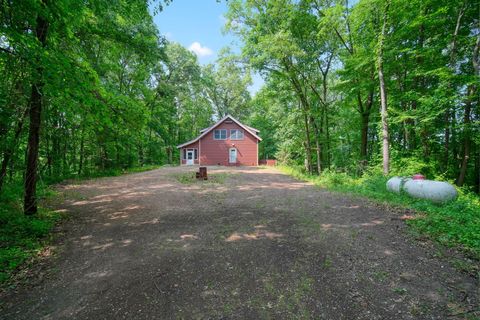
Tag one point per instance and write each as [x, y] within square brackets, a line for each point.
[233, 155]
[190, 156]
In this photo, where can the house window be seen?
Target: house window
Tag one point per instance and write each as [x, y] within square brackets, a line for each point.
[220, 134]
[195, 153]
[236, 134]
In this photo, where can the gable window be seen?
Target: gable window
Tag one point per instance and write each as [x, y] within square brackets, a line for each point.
[236, 134]
[220, 134]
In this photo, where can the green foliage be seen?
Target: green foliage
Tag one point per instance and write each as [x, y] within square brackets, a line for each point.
[322, 88]
[21, 237]
[226, 85]
[456, 223]
[408, 165]
[116, 94]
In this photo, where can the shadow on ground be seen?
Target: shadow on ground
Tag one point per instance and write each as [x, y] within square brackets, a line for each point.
[255, 244]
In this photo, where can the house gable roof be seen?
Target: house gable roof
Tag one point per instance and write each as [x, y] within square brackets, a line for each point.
[205, 131]
[251, 128]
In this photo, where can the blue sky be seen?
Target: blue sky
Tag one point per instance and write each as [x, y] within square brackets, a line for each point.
[197, 25]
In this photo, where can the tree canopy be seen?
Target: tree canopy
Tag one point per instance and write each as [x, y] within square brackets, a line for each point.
[333, 69]
[89, 87]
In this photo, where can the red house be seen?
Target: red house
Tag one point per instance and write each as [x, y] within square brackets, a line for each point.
[228, 142]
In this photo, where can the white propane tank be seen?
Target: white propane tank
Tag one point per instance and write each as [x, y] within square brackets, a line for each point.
[435, 191]
[395, 184]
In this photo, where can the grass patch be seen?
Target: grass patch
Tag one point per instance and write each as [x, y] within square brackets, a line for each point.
[189, 178]
[21, 236]
[400, 291]
[456, 223]
[114, 172]
[284, 296]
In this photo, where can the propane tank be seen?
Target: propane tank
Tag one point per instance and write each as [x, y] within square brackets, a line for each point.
[435, 191]
[418, 187]
[395, 184]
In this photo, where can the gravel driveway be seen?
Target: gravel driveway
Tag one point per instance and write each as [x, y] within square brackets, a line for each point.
[251, 243]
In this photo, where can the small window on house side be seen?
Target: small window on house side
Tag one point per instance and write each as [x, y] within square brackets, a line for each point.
[236, 134]
[195, 152]
[184, 154]
[220, 134]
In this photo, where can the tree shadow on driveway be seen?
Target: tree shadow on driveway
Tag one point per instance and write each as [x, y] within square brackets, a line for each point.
[256, 245]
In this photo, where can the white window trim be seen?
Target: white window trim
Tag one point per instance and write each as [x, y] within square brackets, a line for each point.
[226, 132]
[186, 153]
[237, 130]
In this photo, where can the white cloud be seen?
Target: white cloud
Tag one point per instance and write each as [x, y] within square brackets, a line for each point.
[200, 51]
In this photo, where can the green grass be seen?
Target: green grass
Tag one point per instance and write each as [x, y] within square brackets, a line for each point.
[455, 224]
[189, 178]
[113, 172]
[23, 237]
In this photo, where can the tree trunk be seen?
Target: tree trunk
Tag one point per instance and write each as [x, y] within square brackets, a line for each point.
[383, 95]
[446, 146]
[477, 172]
[327, 138]
[82, 147]
[55, 157]
[305, 107]
[365, 111]
[466, 138]
[364, 141]
[325, 110]
[385, 138]
[308, 146]
[453, 46]
[318, 145]
[65, 164]
[35, 114]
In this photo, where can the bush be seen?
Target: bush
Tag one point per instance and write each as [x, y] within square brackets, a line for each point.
[21, 236]
[330, 178]
[402, 165]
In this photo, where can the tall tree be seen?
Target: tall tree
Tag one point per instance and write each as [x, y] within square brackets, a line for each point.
[383, 93]
[35, 110]
[227, 85]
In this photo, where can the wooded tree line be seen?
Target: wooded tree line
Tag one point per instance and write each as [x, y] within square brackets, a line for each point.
[92, 86]
[387, 84]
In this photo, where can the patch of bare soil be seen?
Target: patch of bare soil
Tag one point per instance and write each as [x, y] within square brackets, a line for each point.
[254, 244]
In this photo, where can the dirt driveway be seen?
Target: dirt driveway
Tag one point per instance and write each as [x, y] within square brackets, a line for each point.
[250, 244]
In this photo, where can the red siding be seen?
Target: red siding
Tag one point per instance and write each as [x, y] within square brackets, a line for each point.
[190, 146]
[214, 152]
